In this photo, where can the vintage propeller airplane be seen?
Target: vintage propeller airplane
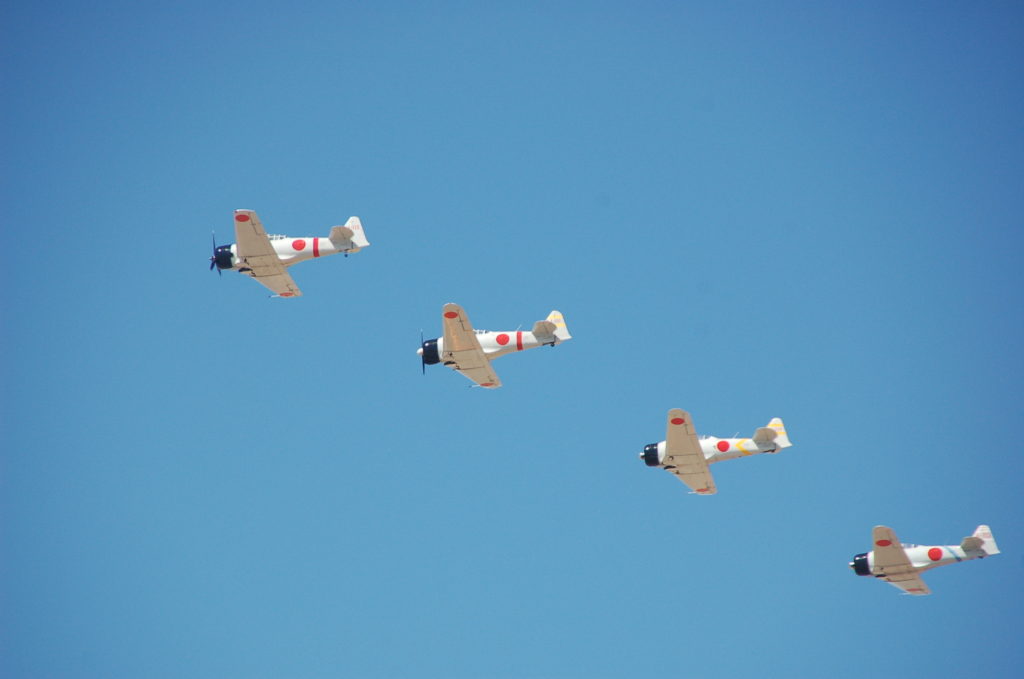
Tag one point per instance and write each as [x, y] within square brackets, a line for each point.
[901, 564]
[470, 351]
[688, 457]
[267, 258]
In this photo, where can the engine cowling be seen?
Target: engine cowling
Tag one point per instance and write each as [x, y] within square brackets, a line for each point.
[430, 355]
[223, 258]
[860, 565]
[650, 455]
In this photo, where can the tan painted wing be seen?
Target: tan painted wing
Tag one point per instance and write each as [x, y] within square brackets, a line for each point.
[683, 454]
[257, 255]
[892, 565]
[911, 584]
[462, 351]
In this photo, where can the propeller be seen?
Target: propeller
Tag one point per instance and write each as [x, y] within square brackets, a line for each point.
[213, 260]
[423, 355]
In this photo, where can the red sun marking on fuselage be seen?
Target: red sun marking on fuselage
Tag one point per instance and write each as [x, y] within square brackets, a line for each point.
[934, 553]
[884, 543]
[723, 446]
[502, 339]
[450, 314]
[241, 218]
[298, 244]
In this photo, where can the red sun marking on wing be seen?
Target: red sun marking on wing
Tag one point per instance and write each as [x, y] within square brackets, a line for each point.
[884, 543]
[450, 314]
[677, 420]
[241, 218]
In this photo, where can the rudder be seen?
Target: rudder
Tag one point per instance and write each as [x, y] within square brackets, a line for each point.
[988, 542]
[781, 439]
[351, 237]
[561, 331]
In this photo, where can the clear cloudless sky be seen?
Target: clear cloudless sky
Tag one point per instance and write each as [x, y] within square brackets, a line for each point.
[810, 210]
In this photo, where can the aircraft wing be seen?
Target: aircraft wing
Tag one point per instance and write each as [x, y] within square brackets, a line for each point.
[683, 454]
[911, 585]
[892, 565]
[258, 258]
[462, 350]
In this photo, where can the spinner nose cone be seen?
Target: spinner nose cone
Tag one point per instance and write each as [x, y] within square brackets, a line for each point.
[860, 565]
[419, 352]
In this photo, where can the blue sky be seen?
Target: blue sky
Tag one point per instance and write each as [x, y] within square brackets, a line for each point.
[808, 210]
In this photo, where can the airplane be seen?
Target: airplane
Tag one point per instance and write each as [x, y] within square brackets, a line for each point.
[901, 564]
[267, 258]
[470, 351]
[688, 457]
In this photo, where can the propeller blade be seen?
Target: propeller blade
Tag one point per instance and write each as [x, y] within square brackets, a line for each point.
[213, 259]
[423, 356]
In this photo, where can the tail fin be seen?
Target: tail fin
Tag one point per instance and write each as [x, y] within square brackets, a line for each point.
[981, 540]
[561, 331]
[778, 433]
[351, 237]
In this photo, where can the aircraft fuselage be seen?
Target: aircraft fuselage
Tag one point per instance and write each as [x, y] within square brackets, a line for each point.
[289, 250]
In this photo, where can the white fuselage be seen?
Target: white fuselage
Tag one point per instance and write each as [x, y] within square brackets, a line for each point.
[719, 450]
[499, 343]
[926, 557]
[292, 250]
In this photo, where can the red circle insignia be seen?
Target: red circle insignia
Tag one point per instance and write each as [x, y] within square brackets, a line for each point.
[241, 218]
[934, 553]
[677, 420]
[723, 446]
[299, 244]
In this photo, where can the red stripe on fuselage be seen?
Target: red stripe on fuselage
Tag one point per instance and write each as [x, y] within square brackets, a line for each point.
[316, 247]
[519, 340]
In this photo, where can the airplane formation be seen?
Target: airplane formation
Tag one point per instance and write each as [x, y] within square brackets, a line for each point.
[470, 351]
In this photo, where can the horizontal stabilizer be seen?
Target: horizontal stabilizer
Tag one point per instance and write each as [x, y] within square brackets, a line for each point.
[988, 542]
[544, 329]
[349, 238]
[765, 435]
[971, 544]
